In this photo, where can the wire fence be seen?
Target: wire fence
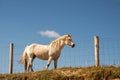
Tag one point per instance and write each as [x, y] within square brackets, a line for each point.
[80, 56]
[110, 51]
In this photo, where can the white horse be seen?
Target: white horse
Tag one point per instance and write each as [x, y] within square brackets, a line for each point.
[45, 52]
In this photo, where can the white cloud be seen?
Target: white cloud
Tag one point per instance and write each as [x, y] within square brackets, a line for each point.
[49, 33]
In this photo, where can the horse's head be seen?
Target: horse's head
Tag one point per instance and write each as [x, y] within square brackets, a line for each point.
[68, 41]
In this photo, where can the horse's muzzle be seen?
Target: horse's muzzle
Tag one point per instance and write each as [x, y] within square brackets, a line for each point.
[73, 45]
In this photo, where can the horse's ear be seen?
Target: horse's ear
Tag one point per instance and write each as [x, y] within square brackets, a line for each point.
[69, 35]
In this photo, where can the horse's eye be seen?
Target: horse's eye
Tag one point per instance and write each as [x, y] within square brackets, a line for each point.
[69, 39]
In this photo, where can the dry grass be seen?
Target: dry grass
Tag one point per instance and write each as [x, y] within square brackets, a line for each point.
[86, 73]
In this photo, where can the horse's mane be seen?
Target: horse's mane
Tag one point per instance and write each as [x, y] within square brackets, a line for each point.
[57, 41]
[60, 38]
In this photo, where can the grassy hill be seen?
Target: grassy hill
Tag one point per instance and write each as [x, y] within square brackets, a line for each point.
[68, 73]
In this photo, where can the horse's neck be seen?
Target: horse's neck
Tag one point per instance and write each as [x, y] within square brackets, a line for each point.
[62, 44]
[58, 44]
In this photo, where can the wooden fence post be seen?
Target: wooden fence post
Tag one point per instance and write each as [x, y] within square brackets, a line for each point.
[96, 49]
[11, 59]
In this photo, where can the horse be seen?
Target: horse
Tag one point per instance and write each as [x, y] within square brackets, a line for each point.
[48, 52]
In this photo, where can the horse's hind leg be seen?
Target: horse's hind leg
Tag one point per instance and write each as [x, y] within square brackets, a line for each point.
[33, 57]
[30, 63]
[28, 66]
[25, 66]
[31, 68]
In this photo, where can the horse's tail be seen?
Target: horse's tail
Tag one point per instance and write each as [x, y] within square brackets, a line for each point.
[24, 59]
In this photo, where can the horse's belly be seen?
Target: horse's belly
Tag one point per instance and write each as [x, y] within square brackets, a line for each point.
[43, 56]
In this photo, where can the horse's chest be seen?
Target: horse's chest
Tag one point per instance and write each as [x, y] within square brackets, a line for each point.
[55, 54]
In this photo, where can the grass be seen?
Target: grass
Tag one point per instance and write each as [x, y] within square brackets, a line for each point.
[69, 73]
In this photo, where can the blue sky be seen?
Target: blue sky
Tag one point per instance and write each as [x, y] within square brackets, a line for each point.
[21, 21]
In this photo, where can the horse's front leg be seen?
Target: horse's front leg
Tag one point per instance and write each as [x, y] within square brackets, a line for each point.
[55, 63]
[48, 63]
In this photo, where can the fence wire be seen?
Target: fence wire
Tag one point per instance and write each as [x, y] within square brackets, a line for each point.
[80, 56]
[110, 51]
